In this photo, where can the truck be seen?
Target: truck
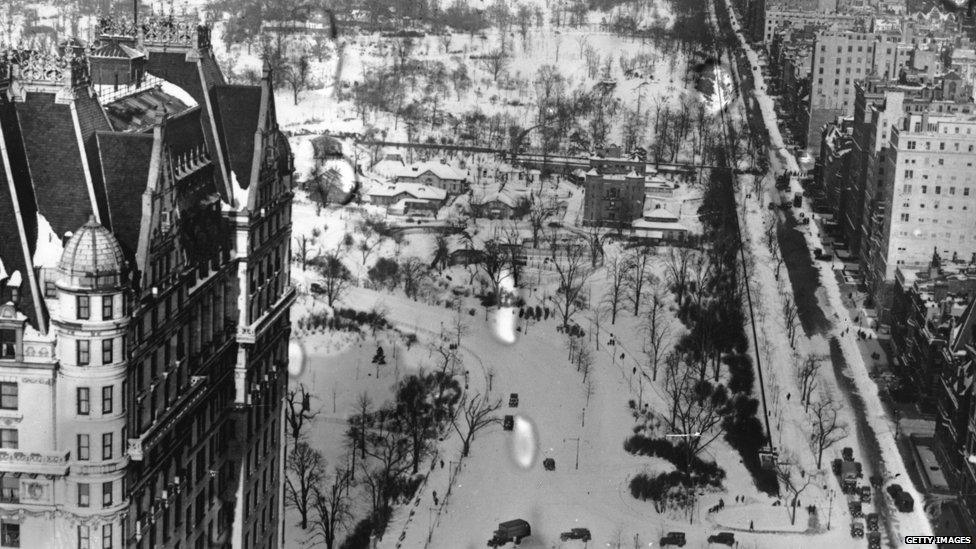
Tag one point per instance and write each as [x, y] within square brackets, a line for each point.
[512, 530]
[849, 472]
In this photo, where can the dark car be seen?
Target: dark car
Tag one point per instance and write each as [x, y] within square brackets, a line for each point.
[865, 492]
[874, 540]
[582, 534]
[725, 538]
[872, 519]
[848, 453]
[835, 465]
[674, 538]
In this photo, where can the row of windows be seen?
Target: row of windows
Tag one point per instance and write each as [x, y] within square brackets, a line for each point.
[84, 446]
[907, 189]
[84, 537]
[10, 440]
[83, 307]
[84, 494]
[83, 351]
[84, 399]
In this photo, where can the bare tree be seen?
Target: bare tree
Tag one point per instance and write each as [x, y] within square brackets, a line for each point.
[495, 62]
[357, 429]
[298, 411]
[335, 275]
[827, 428]
[639, 275]
[368, 242]
[790, 318]
[332, 506]
[303, 250]
[297, 71]
[617, 271]
[794, 480]
[412, 272]
[474, 414]
[807, 371]
[388, 453]
[695, 406]
[678, 264]
[494, 264]
[657, 331]
[572, 272]
[304, 469]
[538, 214]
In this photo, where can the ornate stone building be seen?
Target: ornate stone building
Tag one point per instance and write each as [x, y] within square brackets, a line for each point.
[145, 212]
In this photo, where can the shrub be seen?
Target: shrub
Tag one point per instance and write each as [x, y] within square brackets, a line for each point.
[358, 538]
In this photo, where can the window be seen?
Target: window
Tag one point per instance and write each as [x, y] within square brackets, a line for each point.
[107, 494]
[83, 448]
[84, 402]
[84, 352]
[84, 496]
[106, 445]
[84, 307]
[107, 307]
[904, 217]
[8, 396]
[909, 174]
[107, 399]
[107, 351]
[938, 189]
[106, 536]
[8, 438]
[83, 541]
[965, 191]
[9, 534]
[8, 344]
[925, 189]
[10, 489]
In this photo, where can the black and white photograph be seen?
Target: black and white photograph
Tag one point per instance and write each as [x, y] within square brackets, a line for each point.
[455, 274]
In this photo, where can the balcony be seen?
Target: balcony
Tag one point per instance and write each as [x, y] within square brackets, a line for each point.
[166, 419]
[34, 463]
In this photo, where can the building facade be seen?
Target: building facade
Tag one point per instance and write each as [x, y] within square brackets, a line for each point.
[144, 242]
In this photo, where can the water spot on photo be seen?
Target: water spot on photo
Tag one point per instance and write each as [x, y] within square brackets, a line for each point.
[297, 358]
[524, 442]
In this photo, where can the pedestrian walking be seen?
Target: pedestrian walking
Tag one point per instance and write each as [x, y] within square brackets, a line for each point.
[442, 464]
[750, 525]
[787, 396]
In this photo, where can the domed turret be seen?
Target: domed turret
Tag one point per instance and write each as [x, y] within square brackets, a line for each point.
[92, 259]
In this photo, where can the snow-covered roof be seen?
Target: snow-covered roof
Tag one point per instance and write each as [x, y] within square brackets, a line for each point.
[657, 225]
[660, 213]
[388, 167]
[507, 198]
[47, 252]
[441, 170]
[15, 280]
[3, 271]
[416, 190]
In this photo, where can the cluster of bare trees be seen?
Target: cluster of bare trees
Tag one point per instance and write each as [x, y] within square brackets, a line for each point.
[320, 495]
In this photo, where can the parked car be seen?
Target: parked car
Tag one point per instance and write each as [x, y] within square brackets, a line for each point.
[582, 534]
[865, 492]
[854, 506]
[874, 540]
[673, 538]
[847, 453]
[512, 530]
[872, 520]
[724, 538]
[857, 529]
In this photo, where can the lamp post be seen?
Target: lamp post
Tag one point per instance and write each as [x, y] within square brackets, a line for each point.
[577, 449]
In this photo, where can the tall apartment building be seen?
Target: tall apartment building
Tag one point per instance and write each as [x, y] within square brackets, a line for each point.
[928, 200]
[614, 189]
[144, 230]
[841, 58]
